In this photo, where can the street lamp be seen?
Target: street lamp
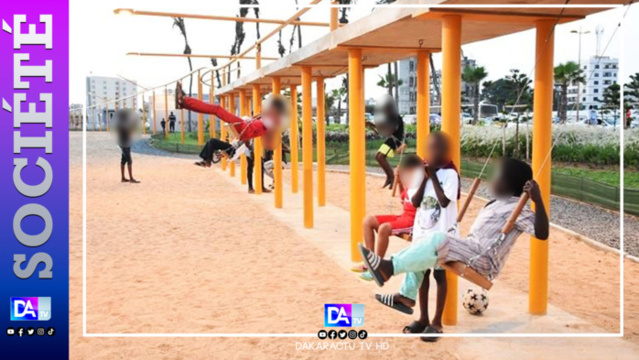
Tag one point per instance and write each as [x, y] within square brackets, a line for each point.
[579, 64]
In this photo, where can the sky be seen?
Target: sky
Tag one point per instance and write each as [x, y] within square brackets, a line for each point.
[99, 41]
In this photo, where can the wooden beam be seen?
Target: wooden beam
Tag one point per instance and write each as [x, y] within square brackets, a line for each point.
[199, 56]
[493, 16]
[217, 17]
[386, 49]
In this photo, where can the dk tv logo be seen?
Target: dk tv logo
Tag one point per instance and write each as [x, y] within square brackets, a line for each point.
[30, 308]
[343, 315]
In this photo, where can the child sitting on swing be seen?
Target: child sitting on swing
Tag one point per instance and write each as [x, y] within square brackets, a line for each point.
[434, 192]
[485, 249]
[273, 119]
[387, 225]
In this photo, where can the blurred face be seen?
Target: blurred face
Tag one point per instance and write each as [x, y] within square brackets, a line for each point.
[498, 185]
[436, 151]
[406, 176]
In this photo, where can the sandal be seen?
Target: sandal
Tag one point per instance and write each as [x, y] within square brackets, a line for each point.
[387, 299]
[431, 330]
[414, 328]
[372, 261]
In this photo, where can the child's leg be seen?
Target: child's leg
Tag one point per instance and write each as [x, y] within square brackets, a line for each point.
[410, 285]
[421, 255]
[249, 173]
[382, 160]
[123, 161]
[383, 235]
[442, 289]
[423, 300]
[370, 226]
[211, 147]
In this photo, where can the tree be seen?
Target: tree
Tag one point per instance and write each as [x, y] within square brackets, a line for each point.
[329, 101]
[389, 82]
[631, 95]
[496, 92]
[179, 23]
[338, 96]
[473, 76]
[565, 75]
[611, 100]
[520, 84]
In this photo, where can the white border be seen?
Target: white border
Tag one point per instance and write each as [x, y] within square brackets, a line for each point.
[620, 334]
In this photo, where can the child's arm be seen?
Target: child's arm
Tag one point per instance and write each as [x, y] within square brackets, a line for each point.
[419, 194]
[400, 185]
[541, 217]
[441, 197]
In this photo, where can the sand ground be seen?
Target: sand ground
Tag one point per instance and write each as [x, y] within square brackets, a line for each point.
[184, 252]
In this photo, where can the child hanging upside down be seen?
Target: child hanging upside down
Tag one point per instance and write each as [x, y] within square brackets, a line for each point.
[387, 225]
[273, 119]
[484, 249]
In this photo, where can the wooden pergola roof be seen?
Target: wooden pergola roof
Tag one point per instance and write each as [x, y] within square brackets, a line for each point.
[392, 34]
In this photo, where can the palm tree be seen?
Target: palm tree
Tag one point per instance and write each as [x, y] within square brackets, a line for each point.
[520, 84]
[179, 23]
[389, 82]
[565, 75]
[473, 76]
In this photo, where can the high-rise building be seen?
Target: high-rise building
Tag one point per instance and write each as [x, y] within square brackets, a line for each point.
[408, 89]
[600, 72]
[102, 90]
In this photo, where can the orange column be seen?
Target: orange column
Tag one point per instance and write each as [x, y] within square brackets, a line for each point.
[423, 101]
[294, 140]
[257, 144]
[243, 113]
[357, 150]
[212, 120]
[155, 130]
[143, 116]
[321, 143]
[223, 131]
[307, 147]
[200, 117]
[451, 106]
[231, 109]
[277, 155]
[166, 113]
[542, 138]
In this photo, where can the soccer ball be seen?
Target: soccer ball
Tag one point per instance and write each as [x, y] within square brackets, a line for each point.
[475, 301]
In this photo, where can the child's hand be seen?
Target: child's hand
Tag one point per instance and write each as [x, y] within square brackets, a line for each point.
[532, 188]
[430, 171]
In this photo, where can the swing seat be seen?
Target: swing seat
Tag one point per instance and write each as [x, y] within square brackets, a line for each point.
[405, 236]
[462, 270]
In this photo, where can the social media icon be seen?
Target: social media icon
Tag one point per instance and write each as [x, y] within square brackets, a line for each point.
[352, 334]
[342, 334]
[41, 331]
[363, 334]
[30, 331]
[50, 331]
[20, 331]
[11, 331]
[30, 308]
[322, 334]
[343, 315]
[332, 334]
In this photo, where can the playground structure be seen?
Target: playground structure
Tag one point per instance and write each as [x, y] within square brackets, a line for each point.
[364, 44]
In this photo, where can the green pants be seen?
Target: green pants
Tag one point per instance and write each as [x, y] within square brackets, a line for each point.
[415, 260]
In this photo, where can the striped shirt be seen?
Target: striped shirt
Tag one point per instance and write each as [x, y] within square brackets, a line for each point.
[483, 233]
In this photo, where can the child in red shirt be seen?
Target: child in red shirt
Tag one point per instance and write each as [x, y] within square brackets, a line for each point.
[387, 225]
[273, 119]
